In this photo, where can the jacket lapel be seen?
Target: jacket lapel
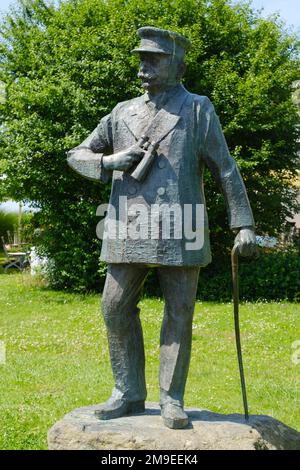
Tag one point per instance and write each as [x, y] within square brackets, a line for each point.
[161, 125]
[137, 118]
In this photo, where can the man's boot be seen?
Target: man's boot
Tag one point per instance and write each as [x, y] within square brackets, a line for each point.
[174, 416]
[117, 406]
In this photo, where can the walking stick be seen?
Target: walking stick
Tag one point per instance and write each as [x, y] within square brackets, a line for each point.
[235, 284]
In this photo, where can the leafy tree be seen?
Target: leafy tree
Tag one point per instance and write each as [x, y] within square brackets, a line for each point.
[65, 67]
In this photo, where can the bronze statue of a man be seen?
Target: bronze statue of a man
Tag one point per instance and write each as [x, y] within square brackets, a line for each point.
[155, 148]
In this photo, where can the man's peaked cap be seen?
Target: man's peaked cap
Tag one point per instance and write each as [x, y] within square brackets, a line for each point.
[162, 41]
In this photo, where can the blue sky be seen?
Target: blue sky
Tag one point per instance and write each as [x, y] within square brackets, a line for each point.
[289, 9]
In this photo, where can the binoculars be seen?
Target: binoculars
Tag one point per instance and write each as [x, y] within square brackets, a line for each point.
[142, 168]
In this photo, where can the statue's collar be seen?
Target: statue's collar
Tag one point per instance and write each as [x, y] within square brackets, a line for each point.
[162, 99]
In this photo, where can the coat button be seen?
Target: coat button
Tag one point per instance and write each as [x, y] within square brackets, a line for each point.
[161, 163]
[161, 191]
[132, 189]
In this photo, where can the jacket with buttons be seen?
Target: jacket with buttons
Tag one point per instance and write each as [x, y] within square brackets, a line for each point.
[190, 139]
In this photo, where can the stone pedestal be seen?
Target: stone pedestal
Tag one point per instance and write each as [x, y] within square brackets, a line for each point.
[80, 429]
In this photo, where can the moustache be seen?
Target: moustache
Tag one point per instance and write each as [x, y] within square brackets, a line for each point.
[144, 76]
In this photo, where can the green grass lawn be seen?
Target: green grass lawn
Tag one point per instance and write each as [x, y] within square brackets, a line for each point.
[57, 358]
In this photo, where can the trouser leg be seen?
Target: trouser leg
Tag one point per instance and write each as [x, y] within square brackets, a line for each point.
[125, 337]
[179, 286]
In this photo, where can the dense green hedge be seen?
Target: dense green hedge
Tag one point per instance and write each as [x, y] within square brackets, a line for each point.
[273, 275]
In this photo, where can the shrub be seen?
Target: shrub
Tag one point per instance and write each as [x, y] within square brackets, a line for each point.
[274, 275]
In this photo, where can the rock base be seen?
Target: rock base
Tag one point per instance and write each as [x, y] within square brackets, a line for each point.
[81, 430]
